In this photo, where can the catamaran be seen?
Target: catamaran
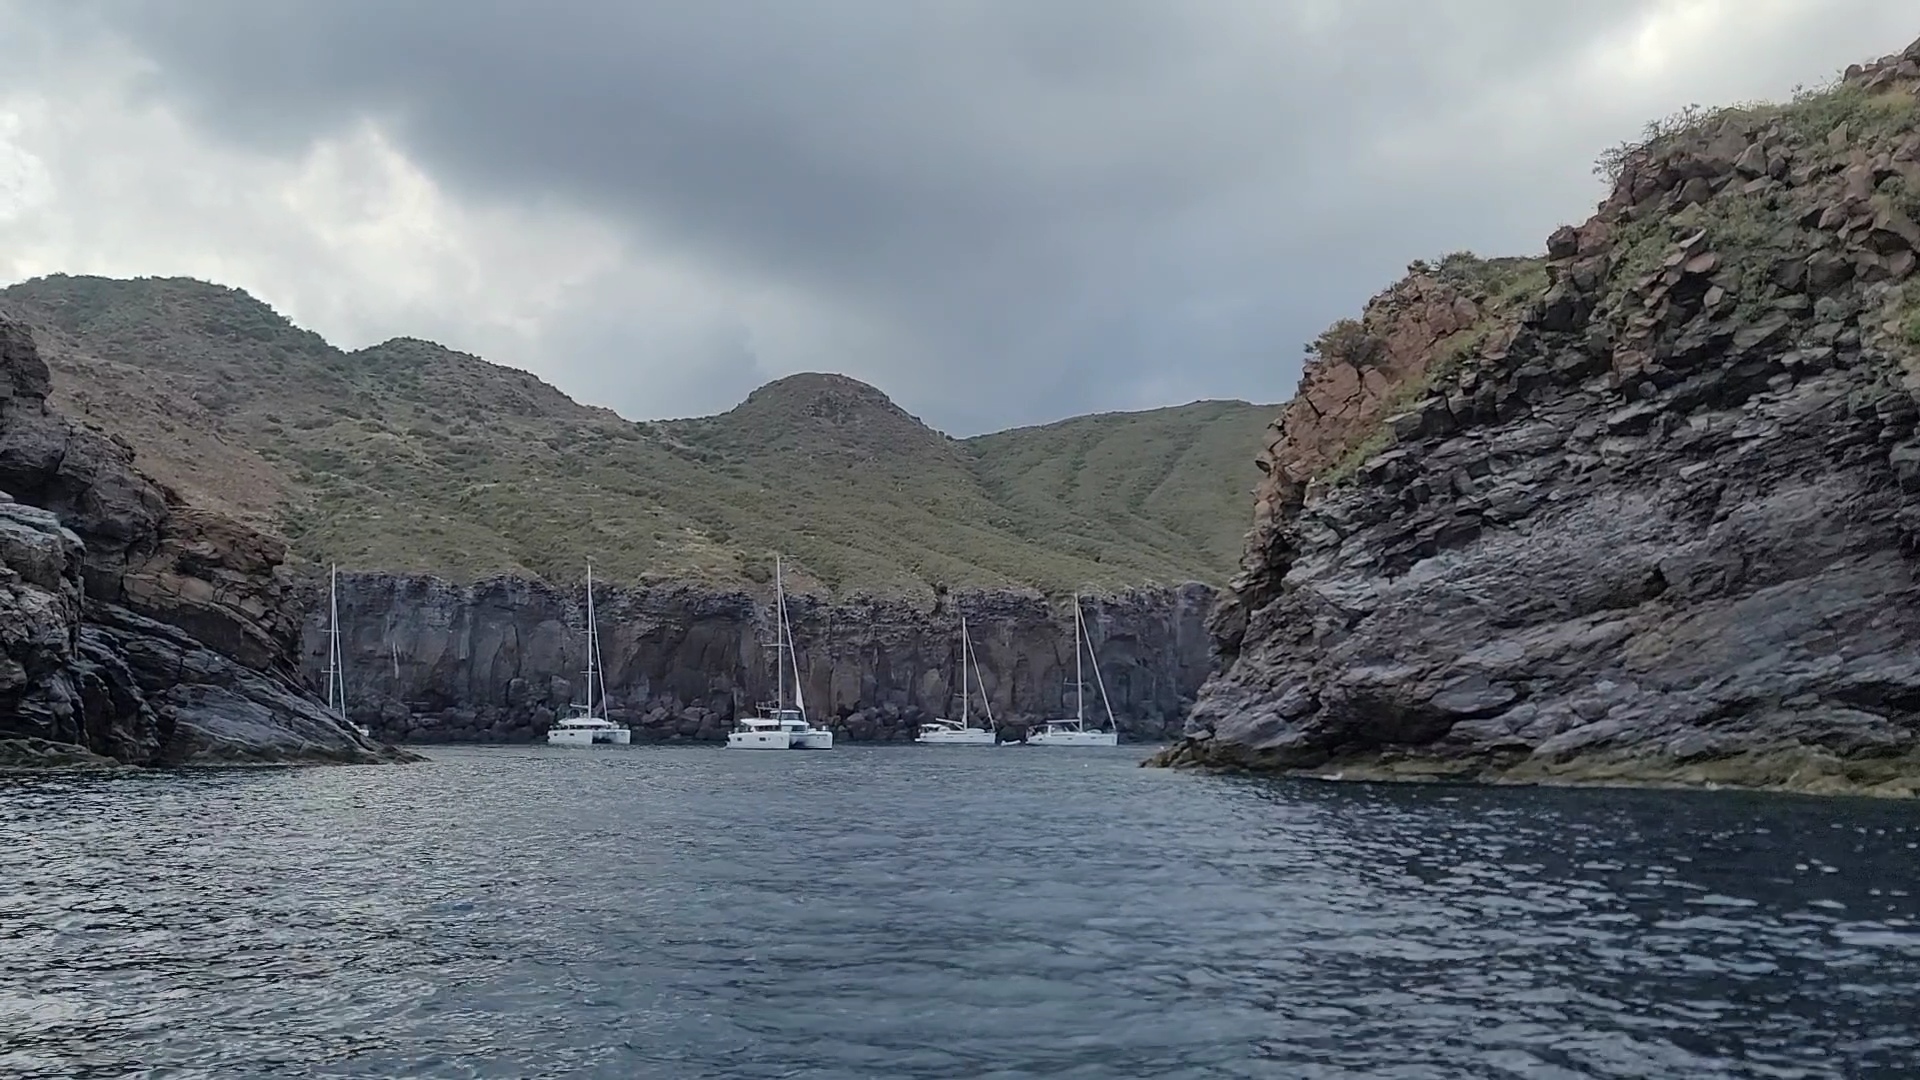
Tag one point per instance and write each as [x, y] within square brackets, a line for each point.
[779, 726]
[961, 732]
[1074, 732]
[581, 726]
[336, 669]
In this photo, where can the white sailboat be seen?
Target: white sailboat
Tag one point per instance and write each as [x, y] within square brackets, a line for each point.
[779, 726]
[582, 726]
[336, 668]
[1074, 732]
[961, 732]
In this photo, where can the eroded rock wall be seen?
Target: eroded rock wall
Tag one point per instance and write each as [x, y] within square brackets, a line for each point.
[429, 661]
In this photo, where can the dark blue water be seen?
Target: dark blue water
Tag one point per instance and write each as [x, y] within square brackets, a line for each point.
[941, 913]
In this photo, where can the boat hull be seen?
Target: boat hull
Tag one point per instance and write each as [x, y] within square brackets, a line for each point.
[1073, 738]
[759, 740]
[589, 737]
[815, 739]
[964, 737]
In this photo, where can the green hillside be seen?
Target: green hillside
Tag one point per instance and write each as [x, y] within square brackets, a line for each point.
[409, 456]
[1174, 479]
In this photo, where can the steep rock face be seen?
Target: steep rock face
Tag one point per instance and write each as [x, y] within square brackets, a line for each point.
[132, 627]
[429, 661]
[1359, 371]
[1662, 531]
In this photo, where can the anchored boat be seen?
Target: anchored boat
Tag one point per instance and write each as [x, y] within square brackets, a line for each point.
[961, 732]
[780, 726]
[582, 726]
[336, 668]
[1075, 732]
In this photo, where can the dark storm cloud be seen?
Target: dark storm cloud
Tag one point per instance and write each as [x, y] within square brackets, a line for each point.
[1042, 208]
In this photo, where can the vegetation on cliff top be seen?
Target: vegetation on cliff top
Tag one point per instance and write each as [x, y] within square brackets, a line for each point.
[1756, 227]
[409, 456]
[1812, 113]
[1500, 288]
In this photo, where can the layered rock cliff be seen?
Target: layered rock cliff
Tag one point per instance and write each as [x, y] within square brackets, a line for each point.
[134, 628]
[1657, 524]
[495, 661]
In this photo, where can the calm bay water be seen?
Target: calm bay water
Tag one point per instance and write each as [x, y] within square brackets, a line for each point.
[908, 912]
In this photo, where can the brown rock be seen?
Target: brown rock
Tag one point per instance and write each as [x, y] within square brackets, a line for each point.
[1338, 406]
[1893, 230]
[1587, 274]
[1752, 161]
[1857, 182]
[1594, 238]
[1564, 243]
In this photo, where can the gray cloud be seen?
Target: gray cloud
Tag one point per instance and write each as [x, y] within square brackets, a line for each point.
[999, 212]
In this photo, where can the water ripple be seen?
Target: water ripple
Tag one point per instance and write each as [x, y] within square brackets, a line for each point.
[897, 913]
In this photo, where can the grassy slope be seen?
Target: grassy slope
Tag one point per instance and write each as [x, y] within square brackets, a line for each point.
[1175, 479]
[408, 456]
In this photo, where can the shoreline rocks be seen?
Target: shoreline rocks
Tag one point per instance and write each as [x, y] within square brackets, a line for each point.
[134, 628]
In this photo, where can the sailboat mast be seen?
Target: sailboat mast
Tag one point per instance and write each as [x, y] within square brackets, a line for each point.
[966, 653]
[780, 633]
[591, 645]
[1079, 673]
[336, 680]
[986, 703]
[1101, 681]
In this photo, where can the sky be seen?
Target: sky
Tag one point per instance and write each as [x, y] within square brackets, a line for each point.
[999, 212]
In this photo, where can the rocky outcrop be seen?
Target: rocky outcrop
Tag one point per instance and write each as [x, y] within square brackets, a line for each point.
[429, 661]
[133, 628]
[1660, 529]
[1358, 372]
[1361, 369]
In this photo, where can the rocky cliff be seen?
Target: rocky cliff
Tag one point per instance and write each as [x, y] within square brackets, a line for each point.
[133, 627]
[494, 661]
[1656, 524]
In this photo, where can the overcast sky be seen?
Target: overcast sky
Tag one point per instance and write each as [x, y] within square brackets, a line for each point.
[1000, 213]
